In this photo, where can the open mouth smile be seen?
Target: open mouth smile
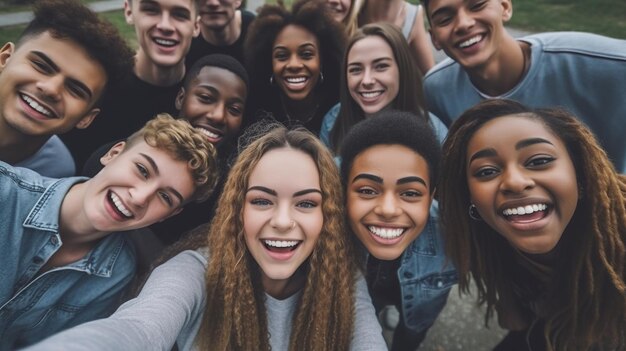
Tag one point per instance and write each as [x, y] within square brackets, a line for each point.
[168, 43]
[119, 206]
[471, 41]
[371, 95]
[43, 110]
[527, 213]
[386, 233]
[212, 135]
[281, 246]
[296, 83]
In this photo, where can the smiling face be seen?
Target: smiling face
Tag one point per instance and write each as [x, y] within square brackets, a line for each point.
[469, 31]
[339, 9]
[372, 74]
[214, 103]
[48, 86]
[217, 14]
[164, 29]
[522, 181]
[388, 199]
[136, 188]
[296, 62]
[282, 214]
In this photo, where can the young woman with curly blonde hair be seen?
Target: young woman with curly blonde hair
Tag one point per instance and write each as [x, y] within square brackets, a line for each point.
[281, 273]
[534, 212]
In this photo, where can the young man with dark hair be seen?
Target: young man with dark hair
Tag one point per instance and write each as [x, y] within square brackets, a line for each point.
[582, 72]
[164, 29]
[223, 29]
[52, 79]
[65, 254]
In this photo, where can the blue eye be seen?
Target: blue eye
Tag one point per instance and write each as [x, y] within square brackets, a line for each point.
[260, 202]
[307, 204]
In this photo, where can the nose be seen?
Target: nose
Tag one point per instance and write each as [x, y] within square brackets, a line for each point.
[294, 62]
[216, 115]
[51, 87]
[281, 219]
[140, 195]
[464, 21]
[368, 77]
[388, 206]
[515, 180]
[165, 23]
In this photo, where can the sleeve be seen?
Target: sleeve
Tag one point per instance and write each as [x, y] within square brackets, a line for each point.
[328, 123]
[171, 302]
[440, 129]
[368, 335]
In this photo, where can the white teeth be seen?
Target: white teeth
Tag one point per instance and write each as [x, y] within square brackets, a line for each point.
[522, 210]
[120, 206]
[296, 80]
[471, 41]
[165, 42]
[371, 94]
[281, 243]
[386, 233]
[32, 103]
[207, 133]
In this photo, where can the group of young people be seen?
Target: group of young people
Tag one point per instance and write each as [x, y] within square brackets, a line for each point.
[320, 168]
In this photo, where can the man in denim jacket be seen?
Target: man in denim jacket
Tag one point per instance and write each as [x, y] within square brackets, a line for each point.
[63, 262]
[389, 170]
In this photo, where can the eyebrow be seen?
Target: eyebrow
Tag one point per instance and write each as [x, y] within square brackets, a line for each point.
[410, 180]
[368, 176]
[282, 47]
[263, 189]
[56, 68]
[445, 10]
[490, 152]
[306, 191]
[531, 141]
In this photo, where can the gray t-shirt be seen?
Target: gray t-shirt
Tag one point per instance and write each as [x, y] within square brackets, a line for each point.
[169, 310]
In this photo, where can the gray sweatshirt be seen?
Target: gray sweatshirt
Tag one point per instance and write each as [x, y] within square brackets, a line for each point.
[169, 311]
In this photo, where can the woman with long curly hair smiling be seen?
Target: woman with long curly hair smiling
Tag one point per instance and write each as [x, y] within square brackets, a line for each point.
[534, 211]
[281, 272]
[294, 60]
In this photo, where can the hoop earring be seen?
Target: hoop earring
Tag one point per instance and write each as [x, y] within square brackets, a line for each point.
[272, 79]
[473, 213]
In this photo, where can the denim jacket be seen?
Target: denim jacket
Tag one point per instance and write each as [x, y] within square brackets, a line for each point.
[425, 276]
[35, 305]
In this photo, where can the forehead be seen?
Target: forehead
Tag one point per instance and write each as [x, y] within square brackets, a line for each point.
[285, 168]
[433, 5]
[503, 132]
[372, 46]
[219, 78]
[71, 58]
[390, 162]
[295, 35]
[169, 4]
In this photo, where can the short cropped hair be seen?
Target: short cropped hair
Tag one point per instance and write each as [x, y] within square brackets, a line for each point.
[226, 62]
[392, 127]
[69, 19]
[181, 141]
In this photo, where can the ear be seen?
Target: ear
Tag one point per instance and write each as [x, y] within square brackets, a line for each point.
[89, 117]
[128, 12]
[507, 10]
[179, 99]
[5, 54]
[433, 39]
[196, 26]
[113, 152]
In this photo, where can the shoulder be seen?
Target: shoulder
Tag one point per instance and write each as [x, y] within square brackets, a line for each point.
[441, 72]
[579, 43]
[53, 159]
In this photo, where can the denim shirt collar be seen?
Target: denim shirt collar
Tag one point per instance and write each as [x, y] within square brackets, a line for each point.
[45, 215]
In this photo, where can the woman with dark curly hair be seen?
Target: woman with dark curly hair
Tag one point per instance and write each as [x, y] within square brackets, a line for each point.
[294, 60]
[534, 212]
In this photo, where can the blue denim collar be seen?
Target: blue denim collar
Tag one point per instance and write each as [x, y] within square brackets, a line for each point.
[44, 217]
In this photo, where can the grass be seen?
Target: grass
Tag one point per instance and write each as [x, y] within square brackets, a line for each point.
[598, 16]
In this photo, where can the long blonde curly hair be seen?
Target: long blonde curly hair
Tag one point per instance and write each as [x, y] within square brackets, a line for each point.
[235, 317]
